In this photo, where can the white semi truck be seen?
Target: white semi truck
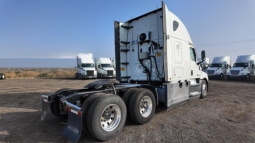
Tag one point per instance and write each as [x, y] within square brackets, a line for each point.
[243, 68]
[2, 76]
[219, 67]
[85, 66]
[155, 62]
[104, 68]
[204, 65]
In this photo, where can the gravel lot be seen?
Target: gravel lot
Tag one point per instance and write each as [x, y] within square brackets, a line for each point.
[227, 114]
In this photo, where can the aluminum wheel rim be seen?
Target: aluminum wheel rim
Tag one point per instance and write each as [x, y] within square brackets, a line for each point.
[110, 117]
[145, 106]
[204, 89]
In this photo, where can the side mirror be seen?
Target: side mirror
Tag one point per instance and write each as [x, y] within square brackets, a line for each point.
[252, 66]
[203, 55]
[226, 66]
[98, 66]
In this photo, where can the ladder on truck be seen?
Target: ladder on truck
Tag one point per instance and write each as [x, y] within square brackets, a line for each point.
[124, 50]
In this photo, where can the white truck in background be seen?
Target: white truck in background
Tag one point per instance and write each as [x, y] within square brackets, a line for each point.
[204, 65]
[2, 76]
[243, 68]
[104, 68]
[155, 62]
[85, 66]
[219, 67]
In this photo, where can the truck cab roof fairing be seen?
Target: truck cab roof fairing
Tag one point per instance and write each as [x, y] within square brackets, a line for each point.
[181, 31]
[178, 29]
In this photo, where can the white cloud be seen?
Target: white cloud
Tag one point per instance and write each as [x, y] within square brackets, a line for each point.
[61, 55]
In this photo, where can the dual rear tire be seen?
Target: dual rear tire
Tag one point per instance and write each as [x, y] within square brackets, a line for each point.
[141, 104]
[104, 116]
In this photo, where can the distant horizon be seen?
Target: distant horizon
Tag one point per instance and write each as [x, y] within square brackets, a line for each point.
[37, 62]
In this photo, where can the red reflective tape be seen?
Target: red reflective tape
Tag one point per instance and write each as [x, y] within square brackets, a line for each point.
[75, 112]
[65, 108]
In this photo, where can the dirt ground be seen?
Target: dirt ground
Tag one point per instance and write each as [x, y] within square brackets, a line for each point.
[227, 114]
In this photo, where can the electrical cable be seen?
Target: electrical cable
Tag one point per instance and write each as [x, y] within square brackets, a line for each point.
[159, 75]
[224, 43]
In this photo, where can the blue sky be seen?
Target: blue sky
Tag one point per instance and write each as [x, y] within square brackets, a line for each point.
[63, 28]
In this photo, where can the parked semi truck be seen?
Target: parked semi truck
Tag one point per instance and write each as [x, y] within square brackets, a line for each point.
[155, 62]
[243, 68]
[104, 68]
[219, 67]
[204, 65]
[85, 66]
[2, 76]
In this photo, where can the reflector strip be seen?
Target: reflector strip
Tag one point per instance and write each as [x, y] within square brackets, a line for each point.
[75, 112]
[65, 108]
[44, 99]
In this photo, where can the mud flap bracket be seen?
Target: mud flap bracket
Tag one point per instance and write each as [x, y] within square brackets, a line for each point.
[73, 128]
[45, 106]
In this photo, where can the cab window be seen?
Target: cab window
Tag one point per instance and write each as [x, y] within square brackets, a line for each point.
[193, 54]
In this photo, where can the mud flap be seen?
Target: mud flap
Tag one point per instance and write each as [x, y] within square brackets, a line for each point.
[45, 106]
[73, 128]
